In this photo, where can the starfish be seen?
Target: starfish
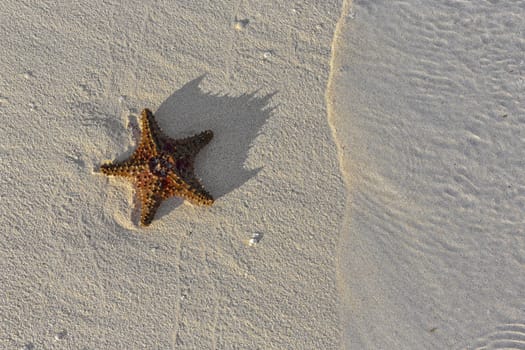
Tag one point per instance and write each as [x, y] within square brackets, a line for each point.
[162, 167]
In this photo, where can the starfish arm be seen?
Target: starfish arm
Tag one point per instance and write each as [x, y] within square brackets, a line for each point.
[149, 208]
[193, 191]
[197, 193]
[149, 191]
[193, 144]
[148, 146]
[125, 169]
[158, 135]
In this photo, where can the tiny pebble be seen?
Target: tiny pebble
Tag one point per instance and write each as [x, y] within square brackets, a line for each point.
[256, 238]
[267, 54]
[61, 335]
[28, 75]
[241, 24]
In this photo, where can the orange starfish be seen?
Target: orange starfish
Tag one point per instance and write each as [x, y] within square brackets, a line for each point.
[162, 167]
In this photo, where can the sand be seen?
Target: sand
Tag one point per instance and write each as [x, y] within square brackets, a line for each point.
[372, 148]
[77, 271]
[429, 113]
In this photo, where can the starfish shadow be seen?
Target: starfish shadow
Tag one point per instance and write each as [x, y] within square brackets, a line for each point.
[235, 122]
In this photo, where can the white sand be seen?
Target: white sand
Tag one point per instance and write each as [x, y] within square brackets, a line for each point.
[425, 124]
[77, 273]
[429, 101]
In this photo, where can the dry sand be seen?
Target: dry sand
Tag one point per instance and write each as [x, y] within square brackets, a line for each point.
[77, 273]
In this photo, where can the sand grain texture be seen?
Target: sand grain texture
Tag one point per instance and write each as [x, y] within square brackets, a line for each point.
[77, 273]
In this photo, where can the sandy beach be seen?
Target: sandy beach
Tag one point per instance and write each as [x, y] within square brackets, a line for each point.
[366, 168]
[78, 272]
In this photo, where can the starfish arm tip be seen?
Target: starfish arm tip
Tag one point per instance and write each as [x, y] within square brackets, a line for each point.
[126, 169]
[145, 112]
[146, 221]
[199, 197]
[108, 169]
[206, 136]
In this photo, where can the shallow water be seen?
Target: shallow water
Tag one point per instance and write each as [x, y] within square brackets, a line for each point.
[429, 113]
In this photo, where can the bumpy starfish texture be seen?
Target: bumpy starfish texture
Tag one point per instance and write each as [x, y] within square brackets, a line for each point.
[162, 167]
